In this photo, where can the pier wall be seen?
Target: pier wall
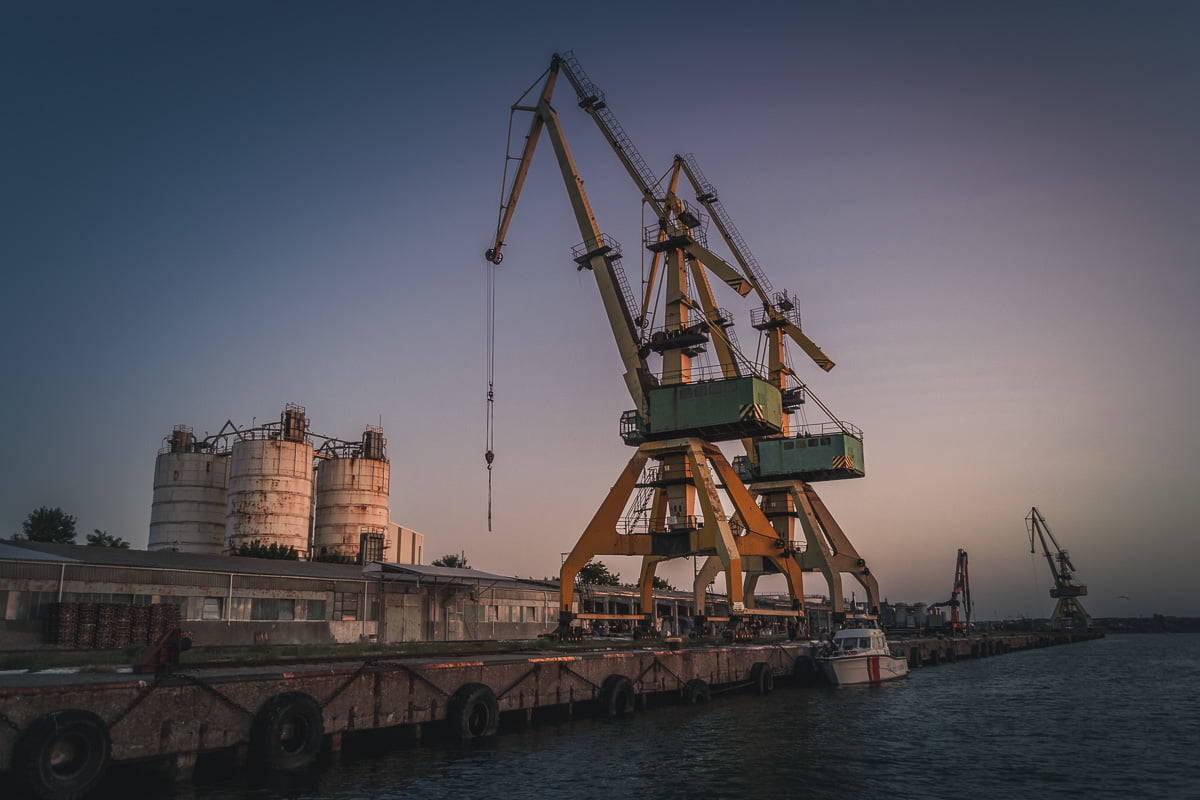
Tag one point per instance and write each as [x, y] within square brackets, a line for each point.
[194, 712]
[283, 716]
[927, 652]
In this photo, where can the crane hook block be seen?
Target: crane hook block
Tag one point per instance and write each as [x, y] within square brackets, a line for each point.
[494, 255]
[489, 457]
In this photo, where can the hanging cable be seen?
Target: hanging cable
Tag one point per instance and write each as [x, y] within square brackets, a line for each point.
[489, 454]
[494, 256]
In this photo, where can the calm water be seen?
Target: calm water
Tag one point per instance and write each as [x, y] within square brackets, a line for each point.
[1114, 718]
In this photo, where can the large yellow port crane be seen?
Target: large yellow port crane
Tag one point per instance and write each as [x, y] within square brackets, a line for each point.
[1068, 611]
[682, 408]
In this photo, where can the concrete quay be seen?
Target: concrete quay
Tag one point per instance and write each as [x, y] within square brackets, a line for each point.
[60, 732]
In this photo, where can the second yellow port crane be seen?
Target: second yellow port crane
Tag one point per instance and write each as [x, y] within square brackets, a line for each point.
[682, 409]
[1068, 611]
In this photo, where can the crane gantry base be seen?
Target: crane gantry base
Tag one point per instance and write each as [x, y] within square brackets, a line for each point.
[827, 548]
[710, 533]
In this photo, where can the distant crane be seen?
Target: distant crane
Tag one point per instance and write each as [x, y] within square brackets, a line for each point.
[1069, 612]
[960, 597]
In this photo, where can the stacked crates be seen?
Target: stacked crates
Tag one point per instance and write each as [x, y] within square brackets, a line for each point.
[85, 638]
[163, 617]
[106, 626]
[139, 624]
[62, 624]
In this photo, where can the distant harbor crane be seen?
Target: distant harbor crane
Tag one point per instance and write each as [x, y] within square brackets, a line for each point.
[1068, 612]
[960, 597]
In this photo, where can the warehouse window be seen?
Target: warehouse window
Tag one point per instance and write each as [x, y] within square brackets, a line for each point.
[345, 606]
[270, 608]
[314, 610]
[211, 609]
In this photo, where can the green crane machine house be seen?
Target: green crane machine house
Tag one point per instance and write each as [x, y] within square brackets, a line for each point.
[720, 410]
[827, 456]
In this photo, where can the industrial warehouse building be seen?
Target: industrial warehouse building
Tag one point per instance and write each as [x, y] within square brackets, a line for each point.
[223, 600]
[231, 601]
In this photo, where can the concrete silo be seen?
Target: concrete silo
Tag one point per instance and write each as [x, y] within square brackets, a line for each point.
[270, 486]
[352, 500]
[190, 488]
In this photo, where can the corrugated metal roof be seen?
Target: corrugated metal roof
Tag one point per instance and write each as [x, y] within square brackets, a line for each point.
[452, 574]
[195, 562]
[17, 551]
[165, 559]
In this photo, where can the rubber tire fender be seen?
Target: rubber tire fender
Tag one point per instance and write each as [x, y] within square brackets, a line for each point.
[617, 697]
[696, 692]
[63, 754]
[287, 731]
[473, 711]
[762, 678]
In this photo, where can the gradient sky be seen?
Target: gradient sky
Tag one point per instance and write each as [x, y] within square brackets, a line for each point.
[990, 213]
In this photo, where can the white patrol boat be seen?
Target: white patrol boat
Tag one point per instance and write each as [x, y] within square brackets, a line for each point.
[860, 655]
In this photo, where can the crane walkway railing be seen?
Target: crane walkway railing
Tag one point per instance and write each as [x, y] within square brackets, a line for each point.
[725, 222]
[606, 245]
[591, 99]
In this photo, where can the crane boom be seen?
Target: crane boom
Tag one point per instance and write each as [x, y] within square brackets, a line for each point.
[597, 252]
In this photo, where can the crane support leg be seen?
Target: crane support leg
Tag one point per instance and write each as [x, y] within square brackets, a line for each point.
[599, 532]
[711, 535]
[646, 582]
[837, 554]
[827, 548]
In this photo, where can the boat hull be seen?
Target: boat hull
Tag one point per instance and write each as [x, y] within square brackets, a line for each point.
[848, 670]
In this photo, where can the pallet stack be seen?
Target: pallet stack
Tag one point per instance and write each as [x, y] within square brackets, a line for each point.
[139, 624]
[106, 626]
[163, 617]
[112, 625]
[62, 624]
[86, 637]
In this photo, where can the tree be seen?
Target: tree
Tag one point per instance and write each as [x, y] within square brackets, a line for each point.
[257, 549]
[334, 558]
[48, 525]
[663, 583]
[458, 561]
[99, 538]
[594, 573]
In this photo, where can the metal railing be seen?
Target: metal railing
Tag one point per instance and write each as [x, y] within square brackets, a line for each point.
[813, 430]
[591, 99]
[726, 224]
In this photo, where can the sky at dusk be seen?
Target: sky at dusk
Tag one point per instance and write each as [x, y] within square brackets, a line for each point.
[990, 213]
